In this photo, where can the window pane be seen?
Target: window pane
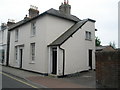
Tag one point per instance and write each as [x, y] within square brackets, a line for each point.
[16, 35]
[33, 51]
[33, 29]
[88, 35]
[16, 53]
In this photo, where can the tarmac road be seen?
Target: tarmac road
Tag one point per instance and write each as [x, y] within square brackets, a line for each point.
[9, 81]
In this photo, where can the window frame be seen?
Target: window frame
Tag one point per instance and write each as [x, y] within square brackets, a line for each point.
[33, 28]
[88, 35]
[16, 35]
[32, 52]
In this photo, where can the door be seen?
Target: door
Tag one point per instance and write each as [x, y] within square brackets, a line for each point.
[90, 59]
[54, 60]
[21, 57]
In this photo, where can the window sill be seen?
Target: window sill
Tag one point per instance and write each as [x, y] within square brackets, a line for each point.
[32, 62]
[16, 40]
[32, 36]
[88, 39]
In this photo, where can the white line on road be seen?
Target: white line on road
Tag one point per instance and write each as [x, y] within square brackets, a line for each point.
[18, 80]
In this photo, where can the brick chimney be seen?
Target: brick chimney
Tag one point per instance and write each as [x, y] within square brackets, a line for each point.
[10, 22]
[65, 7]
[3, 26]
[33, 11]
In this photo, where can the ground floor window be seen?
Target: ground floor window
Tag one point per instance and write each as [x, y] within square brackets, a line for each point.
[32, 51]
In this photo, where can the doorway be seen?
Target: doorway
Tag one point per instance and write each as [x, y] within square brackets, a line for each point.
[21, 56]
[54, 60]
[90, 59]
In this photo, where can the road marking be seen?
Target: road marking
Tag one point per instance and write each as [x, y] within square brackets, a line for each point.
[18, 80]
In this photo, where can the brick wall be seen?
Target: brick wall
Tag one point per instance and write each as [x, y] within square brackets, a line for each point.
[108, 69]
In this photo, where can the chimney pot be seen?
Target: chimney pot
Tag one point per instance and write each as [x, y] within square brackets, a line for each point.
[65, 8]
[33, 11]
[10, 22]
[3, 26]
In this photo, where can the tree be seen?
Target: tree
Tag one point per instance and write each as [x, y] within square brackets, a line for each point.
[97, 41]
[112, 44]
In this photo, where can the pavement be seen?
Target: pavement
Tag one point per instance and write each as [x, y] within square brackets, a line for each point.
[79, 80]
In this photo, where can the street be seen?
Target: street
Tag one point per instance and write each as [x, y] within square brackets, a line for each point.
[9, 81]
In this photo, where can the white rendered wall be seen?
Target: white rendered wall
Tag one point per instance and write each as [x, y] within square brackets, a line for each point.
[3, 42]
[26, 39]
[56, 27]
[76, 50]
[48, 28]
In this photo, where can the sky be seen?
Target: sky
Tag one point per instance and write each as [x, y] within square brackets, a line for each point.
[105, 12]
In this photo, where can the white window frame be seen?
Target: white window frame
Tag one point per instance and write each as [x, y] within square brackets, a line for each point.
[32, 54]
[33, 28]
[88, 35]
[16, 35]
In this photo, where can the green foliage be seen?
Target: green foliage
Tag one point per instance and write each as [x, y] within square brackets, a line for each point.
[97, 41]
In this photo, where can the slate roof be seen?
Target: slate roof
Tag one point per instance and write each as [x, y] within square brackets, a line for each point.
[60, 40]
[62, 15]
[51, 11]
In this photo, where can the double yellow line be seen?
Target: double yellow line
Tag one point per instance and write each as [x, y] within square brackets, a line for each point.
[18, 80]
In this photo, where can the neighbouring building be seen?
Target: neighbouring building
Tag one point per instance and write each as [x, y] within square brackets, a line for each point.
[4, 42]
[53, 42]
[105, 48]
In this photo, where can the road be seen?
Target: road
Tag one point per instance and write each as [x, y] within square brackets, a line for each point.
[9, 81]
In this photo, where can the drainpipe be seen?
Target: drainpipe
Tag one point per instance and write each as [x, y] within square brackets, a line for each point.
[63, 59]
[8, 48]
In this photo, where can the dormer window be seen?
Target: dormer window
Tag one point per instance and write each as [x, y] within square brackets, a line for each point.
[33, 28]
[88, 35]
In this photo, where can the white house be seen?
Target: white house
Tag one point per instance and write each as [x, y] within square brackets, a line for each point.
[3, 43]
[54, 42]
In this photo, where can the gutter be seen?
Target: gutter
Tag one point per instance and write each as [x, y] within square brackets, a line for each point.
[63, 60]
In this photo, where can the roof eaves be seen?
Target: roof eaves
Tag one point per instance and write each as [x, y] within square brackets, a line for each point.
[73, 33]
[22, 22]
[91, 20]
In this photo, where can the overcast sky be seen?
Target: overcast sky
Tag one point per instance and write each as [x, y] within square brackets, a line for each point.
[105, 12]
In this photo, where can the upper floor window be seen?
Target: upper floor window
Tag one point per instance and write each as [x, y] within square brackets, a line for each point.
[33, 28]
[88, 35]
[16, 34]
